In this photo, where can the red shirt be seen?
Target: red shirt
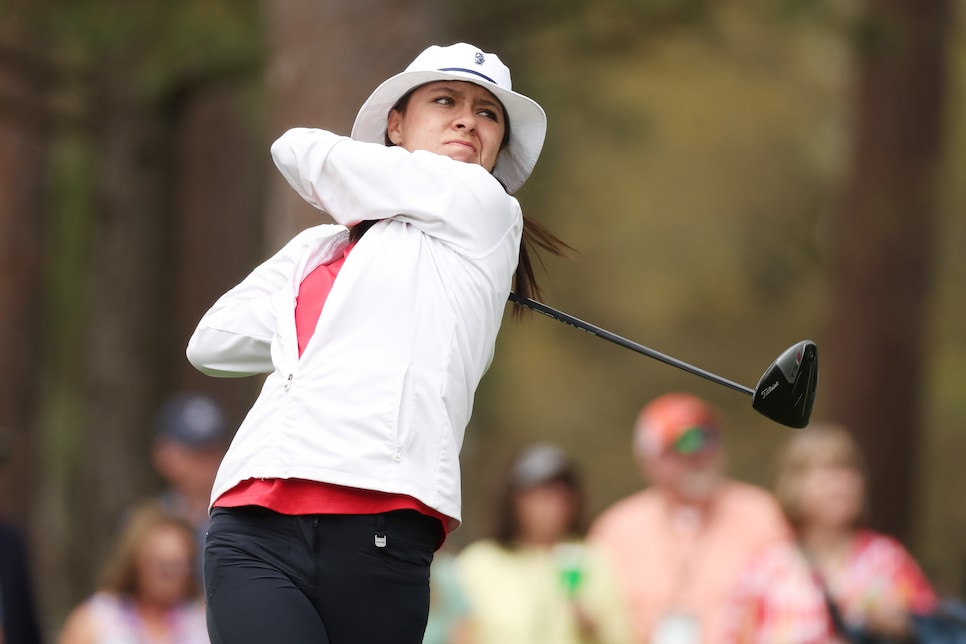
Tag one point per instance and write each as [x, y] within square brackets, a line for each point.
[298, 496]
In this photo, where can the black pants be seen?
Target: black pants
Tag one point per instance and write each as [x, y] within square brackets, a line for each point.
[329, 579]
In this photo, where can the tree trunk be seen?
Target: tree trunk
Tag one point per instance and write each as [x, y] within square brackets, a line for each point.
[23, 144]
[174, 224]
[218, 168]
[883, 240]
[126, 314]
[325, 60]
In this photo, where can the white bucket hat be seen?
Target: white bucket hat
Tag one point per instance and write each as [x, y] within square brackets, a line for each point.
[463, 62]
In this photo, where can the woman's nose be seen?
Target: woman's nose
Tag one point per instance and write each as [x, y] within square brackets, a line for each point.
[466, 119]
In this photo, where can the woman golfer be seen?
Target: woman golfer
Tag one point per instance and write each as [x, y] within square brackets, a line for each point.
[344, 477]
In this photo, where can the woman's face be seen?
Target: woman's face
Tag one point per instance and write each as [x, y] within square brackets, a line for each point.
[457, 119]
[164, 565]
[545, 512]
[831, 496]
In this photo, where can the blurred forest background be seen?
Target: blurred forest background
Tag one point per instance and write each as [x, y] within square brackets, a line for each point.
[735, 175]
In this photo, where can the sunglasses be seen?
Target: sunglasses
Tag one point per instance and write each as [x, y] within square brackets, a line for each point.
[694, 440]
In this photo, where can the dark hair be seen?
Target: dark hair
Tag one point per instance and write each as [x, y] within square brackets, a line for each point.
[535, 237]
[506, 528]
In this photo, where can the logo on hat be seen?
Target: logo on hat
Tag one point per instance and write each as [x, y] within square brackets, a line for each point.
[479, 59]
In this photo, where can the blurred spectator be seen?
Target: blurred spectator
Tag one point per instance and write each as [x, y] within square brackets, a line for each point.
[536, 580]
[149, 592]
[835, 579]
[190, 439]
[448, 607]
[18, 613]
[681, 542]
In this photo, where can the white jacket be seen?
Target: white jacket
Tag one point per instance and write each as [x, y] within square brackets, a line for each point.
[384, 390]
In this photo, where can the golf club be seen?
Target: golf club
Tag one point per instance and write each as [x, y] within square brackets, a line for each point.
[785, 392]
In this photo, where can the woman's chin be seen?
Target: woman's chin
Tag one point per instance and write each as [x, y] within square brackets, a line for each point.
[462, 154]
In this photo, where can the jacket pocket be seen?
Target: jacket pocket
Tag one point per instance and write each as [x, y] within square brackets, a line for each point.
[421, 412]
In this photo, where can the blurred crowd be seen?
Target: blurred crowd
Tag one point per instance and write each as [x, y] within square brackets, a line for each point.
[150, 587]
[693, 557]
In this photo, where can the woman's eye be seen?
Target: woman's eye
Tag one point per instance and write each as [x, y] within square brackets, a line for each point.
[490, 114]
[443, 100]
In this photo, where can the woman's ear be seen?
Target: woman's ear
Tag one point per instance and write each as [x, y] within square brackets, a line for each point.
[394, 127]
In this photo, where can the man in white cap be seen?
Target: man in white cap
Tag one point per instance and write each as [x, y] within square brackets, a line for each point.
[344, 477]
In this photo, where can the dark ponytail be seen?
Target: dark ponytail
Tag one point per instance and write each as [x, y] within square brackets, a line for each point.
[536, 237]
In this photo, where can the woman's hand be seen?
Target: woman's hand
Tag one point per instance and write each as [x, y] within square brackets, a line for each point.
[888, 617]
[585, 622]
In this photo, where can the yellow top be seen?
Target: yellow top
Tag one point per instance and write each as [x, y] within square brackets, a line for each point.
[529, 595]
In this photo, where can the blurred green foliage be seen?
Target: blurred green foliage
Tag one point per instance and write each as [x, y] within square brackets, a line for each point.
[155, 43]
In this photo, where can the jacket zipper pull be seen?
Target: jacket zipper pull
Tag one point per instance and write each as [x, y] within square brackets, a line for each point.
[288, 382]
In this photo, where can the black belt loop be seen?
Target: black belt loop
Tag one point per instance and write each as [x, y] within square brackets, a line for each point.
[380, 536]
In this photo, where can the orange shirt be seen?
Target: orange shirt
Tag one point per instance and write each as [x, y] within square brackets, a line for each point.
[673, 560]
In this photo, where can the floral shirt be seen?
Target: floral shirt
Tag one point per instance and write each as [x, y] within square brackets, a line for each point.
[779, 598]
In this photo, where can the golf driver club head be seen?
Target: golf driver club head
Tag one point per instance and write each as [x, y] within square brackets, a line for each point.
[786, 391]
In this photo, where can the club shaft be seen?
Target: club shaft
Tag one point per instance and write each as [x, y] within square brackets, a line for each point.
[577, 323]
